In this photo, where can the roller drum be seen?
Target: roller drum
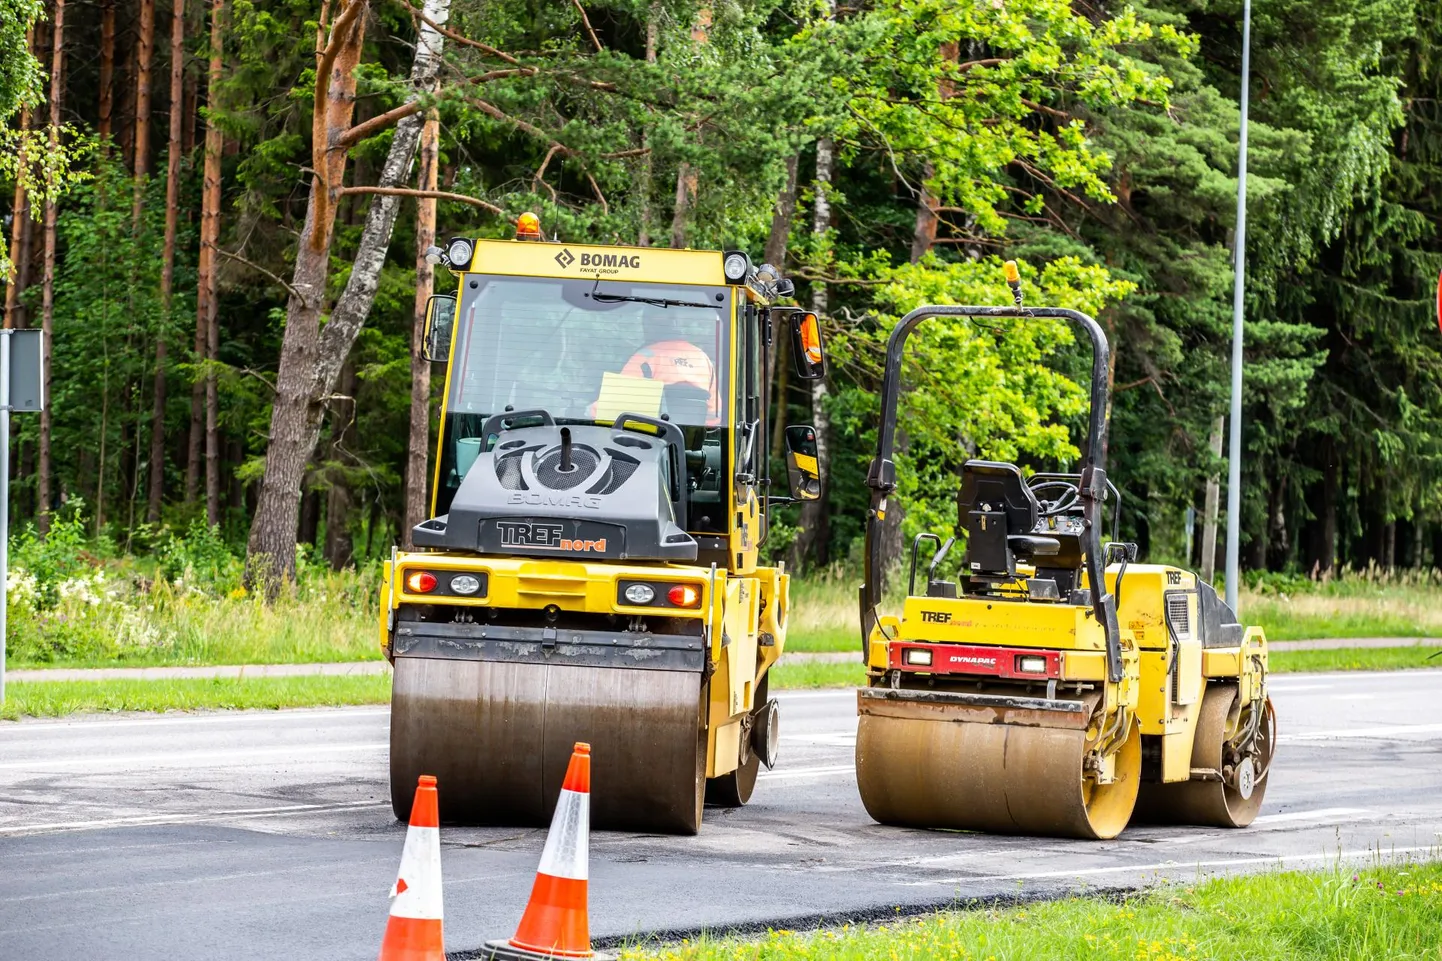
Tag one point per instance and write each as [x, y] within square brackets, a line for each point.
[1006, 765]
[1212, 803]
[498, 736]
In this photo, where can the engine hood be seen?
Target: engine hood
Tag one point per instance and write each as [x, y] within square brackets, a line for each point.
[613, 503]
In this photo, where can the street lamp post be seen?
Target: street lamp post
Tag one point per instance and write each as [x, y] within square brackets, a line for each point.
[1239, 257]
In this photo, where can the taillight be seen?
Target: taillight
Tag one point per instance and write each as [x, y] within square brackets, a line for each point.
[684, 595]
[420, 582]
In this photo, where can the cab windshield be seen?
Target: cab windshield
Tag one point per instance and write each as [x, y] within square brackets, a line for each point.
[585, 351]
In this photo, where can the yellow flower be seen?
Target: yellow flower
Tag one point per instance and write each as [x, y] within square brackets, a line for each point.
[238, 593]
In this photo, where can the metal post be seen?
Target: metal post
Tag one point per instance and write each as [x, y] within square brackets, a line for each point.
[4, 498]
[1239, 256]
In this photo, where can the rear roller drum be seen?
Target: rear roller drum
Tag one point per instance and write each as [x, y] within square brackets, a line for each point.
[1232, 802]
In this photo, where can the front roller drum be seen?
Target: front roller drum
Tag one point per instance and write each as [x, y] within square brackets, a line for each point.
[498, 735]
[1232, 801]
[988, 763]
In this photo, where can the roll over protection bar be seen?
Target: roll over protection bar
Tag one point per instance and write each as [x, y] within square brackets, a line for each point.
[881, 477]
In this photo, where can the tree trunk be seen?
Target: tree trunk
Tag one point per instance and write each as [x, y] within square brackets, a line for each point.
[923, 235]
[339, 545]
[144, 54]
[311, 359]
[685, 199]
[206, 267]
[298, 406]
[1211, 507]
[643, 239]
[156, 492]
[420, 428]
[107, 72]
[775, 253]
[57, 72]
[19, 223]
[309, 518]
[203, 396]
[811, 541]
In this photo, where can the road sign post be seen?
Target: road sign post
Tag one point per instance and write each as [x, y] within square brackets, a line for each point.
[21, 388]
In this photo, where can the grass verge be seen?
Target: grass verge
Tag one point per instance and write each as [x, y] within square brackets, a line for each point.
[59, 698]
[1391, 913]
[802, 674]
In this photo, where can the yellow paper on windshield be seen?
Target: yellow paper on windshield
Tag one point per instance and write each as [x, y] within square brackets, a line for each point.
[628, 395]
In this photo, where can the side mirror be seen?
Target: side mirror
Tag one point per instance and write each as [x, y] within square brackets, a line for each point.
[440, 322]
[803, 473]
[807, 346]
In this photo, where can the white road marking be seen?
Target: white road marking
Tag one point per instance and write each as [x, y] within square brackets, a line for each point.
[188, 758]
[802, 772]
[148, 820]
[45, 726]
[1322, 814]
[842, 739]
[1184, 865]
[1390, 732]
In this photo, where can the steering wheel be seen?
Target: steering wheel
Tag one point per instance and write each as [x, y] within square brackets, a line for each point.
[1067, 498]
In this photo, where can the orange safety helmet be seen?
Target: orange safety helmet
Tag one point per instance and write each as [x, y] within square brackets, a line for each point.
[673, 362]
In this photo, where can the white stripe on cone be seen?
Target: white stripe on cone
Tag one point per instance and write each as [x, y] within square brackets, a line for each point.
[417, 891]
[568, 843]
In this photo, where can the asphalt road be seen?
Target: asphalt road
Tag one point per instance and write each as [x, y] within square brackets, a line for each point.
[268, 835]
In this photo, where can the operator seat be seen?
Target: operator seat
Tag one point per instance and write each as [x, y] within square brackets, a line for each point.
[999, 513]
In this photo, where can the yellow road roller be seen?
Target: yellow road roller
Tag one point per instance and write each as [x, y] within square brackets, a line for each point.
[1048, 684]
[589, 571]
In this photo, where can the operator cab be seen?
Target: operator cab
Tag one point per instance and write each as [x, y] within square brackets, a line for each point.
[583, 379]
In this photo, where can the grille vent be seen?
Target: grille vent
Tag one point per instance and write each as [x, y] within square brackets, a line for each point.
[620, 470]
[508, 472]
[1179, 615]
[583, 464]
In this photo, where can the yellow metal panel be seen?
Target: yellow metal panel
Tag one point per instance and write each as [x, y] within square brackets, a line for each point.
[534, 584]
[647, 264]
[775, 587]
[1177, 750]
[1003, 623]
[1222, 662]
[1083, 665]
[741, 616]
[385, 611]
[1153, 693]
[724, 749]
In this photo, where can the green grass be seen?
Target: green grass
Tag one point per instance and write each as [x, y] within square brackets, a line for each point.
[1364, 604]
[801, 674]
[1389, 913]
[59, 698]
[333, 621]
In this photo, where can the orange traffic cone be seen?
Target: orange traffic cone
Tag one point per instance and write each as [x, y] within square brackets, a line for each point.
[413, 932]
[554, 924]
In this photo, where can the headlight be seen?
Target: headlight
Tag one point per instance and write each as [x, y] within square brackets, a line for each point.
[1031, 664]
[459, 253]
[920, 656]
[433, 255]
[640, 593]
[465, 584]
[736, 265]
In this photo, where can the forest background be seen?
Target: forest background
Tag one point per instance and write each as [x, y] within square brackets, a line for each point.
[225, 249]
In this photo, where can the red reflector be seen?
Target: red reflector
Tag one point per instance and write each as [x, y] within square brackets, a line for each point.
[420, 582]
[684, 595]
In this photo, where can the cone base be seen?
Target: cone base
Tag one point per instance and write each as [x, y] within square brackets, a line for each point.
[505, 951]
